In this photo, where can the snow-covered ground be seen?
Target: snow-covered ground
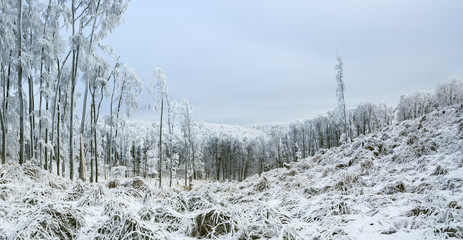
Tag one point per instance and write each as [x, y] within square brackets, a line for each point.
[405, 182]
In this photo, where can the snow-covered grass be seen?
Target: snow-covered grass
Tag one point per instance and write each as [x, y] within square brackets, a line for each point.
[405, 182]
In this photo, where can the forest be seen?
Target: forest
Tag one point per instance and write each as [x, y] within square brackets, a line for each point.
[75, 164]
[57, 49]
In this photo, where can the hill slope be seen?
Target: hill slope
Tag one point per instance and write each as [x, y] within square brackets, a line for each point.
[405, 182]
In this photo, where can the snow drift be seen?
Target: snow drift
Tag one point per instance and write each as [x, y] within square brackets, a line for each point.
[404, 182]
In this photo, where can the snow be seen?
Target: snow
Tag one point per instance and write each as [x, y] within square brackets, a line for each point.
[404, 182]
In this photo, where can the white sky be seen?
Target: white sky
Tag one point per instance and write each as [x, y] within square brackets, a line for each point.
[259, 61]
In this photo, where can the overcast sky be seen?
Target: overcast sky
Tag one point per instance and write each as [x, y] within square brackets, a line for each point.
[260, 61]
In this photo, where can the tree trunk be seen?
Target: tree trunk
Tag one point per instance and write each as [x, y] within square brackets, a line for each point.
[92, 150]
[146, 161]
[6, 94]
[82, 157]
[186, 156]
[75, 60]
[46, 167]
[160, 144]
[84, 109]
[170, 172]
[57, 152]
[217, 163]
[117, 115]
[40, 111]
[3, 138]
[96, 114]
[20, 88]
[110, 138]
[71, 122]
[31, 116]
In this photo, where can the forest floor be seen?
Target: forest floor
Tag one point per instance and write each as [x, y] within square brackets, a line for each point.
[404, 182]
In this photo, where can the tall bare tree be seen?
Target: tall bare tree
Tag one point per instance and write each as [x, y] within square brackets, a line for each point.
[162, 95]
[20, 87]
[340, 95]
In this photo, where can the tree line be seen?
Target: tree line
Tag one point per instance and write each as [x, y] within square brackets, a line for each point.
[195, 150]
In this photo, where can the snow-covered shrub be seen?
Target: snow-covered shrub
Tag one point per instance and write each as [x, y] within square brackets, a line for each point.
[450, 232]
[171, 221]
[262, 222]
[348, 183]
[398, 187]
[113, 183]
[439, 170]
[118, 172]
[95, 197]
[340, 208]
[198, 202]
[178, 203]
[76, 192]
[113, 205]
[262, 184]
[57, 185]
[52, 222]
[366, 165]
[125, 226]
[136, 183]
[213, 223]
[6, 190]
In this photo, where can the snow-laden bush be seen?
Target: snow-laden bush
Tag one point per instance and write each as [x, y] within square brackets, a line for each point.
[213, 223]
[125, 226]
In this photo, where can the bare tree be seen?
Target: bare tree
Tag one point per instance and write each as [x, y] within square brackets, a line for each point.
[340, 94]
[161, 86]
[20, 86]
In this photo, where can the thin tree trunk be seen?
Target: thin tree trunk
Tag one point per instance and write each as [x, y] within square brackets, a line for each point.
[92, 152]
[56, 106]
[217, 164]
[6, 97]
[82, 163]
[170, 173]
[119, 104]
[40, 110]
[110, 140]
[186, 162]
[57, 152]
[95, 120]
[3, 138]
[31, 116]
[170, 128]
[84, 110]
[160, 144]
[146, 161]
[31, 97]
[20, 90]
[75, 58]
[46, 138]
[193, 159]
[3, 116]
[71, 122]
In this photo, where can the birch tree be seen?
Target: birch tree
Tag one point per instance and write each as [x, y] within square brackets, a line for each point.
[20, 86]
[340, 95]
[161, 87]
[187, 128]
[103, 16]
[7, 47]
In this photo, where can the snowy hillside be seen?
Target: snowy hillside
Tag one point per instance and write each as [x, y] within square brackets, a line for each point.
[404, 182]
